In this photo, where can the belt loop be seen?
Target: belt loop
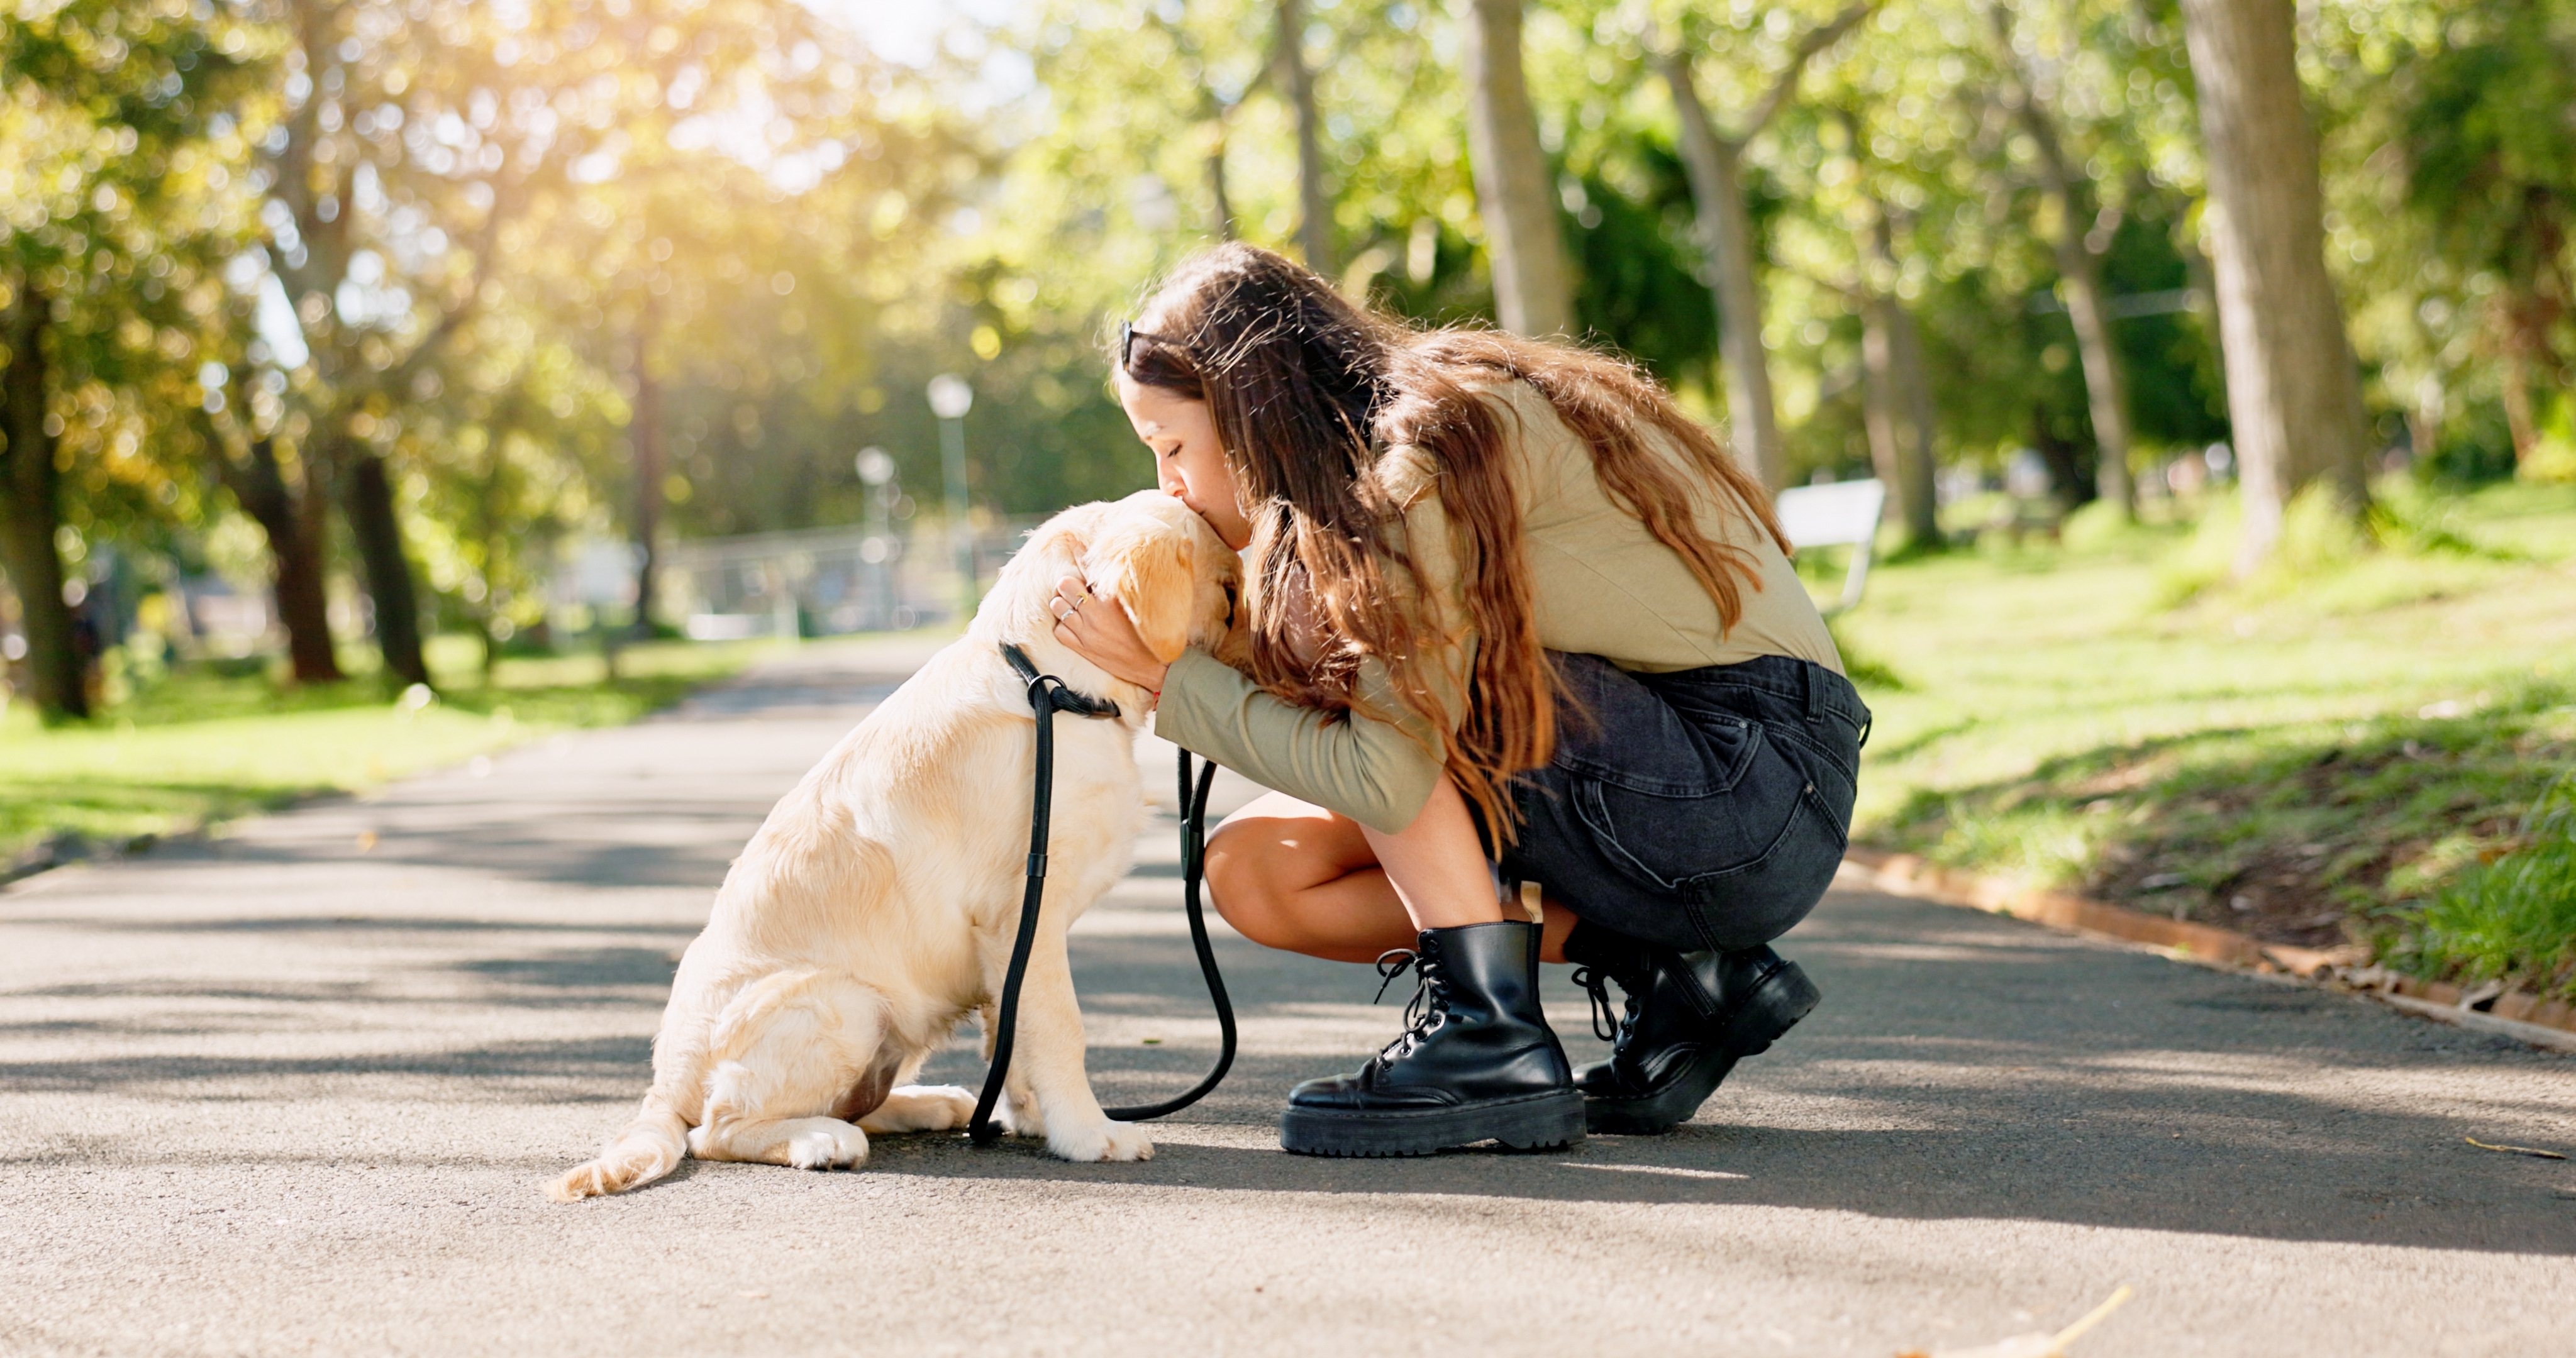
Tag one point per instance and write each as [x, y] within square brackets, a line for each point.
[1811, 672]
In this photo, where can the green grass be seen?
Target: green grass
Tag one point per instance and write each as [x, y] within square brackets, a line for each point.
[2512, 918]
[2313, 755]
[191, 746]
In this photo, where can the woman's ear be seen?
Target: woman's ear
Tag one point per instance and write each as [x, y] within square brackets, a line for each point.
[1149, 571]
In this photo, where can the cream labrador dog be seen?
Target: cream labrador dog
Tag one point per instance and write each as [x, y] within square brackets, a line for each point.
[876, 906]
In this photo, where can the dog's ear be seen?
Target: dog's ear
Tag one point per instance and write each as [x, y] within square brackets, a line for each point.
[1150, 570]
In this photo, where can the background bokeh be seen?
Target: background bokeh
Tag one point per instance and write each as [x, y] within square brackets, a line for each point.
[415, 300]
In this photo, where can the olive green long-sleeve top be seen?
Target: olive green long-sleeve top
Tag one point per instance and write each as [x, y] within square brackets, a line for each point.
[1603, 584]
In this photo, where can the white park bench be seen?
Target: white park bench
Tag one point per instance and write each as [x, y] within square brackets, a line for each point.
[1836, 514]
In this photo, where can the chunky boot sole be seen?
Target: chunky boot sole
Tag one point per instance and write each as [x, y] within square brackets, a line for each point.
[1775, 1006]
[1537, 1122]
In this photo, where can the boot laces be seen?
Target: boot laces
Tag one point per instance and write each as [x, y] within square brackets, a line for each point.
[1426, 1011]
[1607, 1024]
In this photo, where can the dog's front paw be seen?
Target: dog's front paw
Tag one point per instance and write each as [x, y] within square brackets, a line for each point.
[924, 1108]
[837, 1146]
[1020, 1116]
[1103, 1140]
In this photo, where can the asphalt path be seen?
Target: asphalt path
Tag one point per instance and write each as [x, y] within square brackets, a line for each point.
[294, 1091]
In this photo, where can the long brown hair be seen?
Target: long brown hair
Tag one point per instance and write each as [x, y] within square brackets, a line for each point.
[1307, 388]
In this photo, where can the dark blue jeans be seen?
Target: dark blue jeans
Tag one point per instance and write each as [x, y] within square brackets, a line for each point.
[1702, 809]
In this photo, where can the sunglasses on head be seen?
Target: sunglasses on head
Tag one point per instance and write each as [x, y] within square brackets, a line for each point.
[1128, 334]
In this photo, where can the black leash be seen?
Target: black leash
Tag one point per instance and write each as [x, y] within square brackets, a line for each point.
[1048, 696]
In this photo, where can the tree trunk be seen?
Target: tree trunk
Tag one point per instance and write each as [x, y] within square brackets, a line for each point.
[2059, 454]
[1917, 489]
[31, 515]
[378, 534]
[2425, 416]
[1892, 353]
[2202, 278]
[2519, 425]
[2106, 387]
[2293, 389]
[645, 433]
[1220, 206]
[2527, 311]
[1878, 399]
[1898, 405]
[1714, 165]
[1314, 209]
[1533, 293]
[296, 552]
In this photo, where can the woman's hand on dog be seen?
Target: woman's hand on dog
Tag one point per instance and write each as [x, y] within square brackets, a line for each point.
[1101, 632]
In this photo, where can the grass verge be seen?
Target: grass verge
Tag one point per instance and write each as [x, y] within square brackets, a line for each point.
[2341, 752]
[2512, 918]
[194, 747]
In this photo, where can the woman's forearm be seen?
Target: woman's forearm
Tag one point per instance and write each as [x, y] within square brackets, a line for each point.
[1376, 773]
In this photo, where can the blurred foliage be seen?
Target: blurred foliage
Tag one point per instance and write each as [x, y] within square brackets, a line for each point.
[472, 241]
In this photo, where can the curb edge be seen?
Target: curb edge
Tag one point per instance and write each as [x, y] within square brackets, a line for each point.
[2524, 1017]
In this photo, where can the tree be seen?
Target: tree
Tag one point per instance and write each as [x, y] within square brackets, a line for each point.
[1533, 289]
[1726, 232]
[106, 248]
[31, 517]
[2293, 389]
[1900, 422]
[520, 449]
[1216, 110]
[2080, 234]
[338, 166]
[238, 427]
[1297, 84]
[1897, 415]
[2490, 162]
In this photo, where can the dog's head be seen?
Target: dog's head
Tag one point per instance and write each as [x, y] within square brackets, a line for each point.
[1148, 554]
[1161, 563]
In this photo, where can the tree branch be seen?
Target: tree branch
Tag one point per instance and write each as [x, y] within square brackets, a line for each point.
[1848, 289]
[1817, 40]
[400, 375]
[2019, 99]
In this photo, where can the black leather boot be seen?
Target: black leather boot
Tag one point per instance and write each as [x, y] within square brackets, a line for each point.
[1689, 1018]
[1476, 1060]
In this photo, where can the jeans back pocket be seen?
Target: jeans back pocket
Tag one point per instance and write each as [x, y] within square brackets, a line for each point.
[1618, 732]
[1670, 837]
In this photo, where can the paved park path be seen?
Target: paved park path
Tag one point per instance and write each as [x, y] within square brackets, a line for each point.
[294, 1092]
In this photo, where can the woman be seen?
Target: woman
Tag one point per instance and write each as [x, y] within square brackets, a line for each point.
[1504, 602]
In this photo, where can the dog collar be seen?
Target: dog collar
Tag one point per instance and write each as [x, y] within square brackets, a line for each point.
[1063, 698]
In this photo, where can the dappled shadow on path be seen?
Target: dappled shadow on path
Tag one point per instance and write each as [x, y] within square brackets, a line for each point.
[1964, 1067]
[594, 1060]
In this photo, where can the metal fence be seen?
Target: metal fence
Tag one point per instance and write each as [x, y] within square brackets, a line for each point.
[826, 581]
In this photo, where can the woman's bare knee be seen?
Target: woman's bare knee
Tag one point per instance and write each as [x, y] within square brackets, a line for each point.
[1245, 885]
[1296, 877]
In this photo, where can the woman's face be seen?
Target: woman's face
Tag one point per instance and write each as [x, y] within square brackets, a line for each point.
[1188, 460]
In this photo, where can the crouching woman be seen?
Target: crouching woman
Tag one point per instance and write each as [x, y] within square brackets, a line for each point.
[1512, 617]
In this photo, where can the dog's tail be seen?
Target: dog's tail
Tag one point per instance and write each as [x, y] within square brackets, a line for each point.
[650, 1147]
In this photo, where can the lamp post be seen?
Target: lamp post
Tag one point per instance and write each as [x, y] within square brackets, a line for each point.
[876, 471]
[950, 399]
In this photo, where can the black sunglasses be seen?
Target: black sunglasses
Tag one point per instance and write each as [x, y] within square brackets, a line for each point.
[1128, 334]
